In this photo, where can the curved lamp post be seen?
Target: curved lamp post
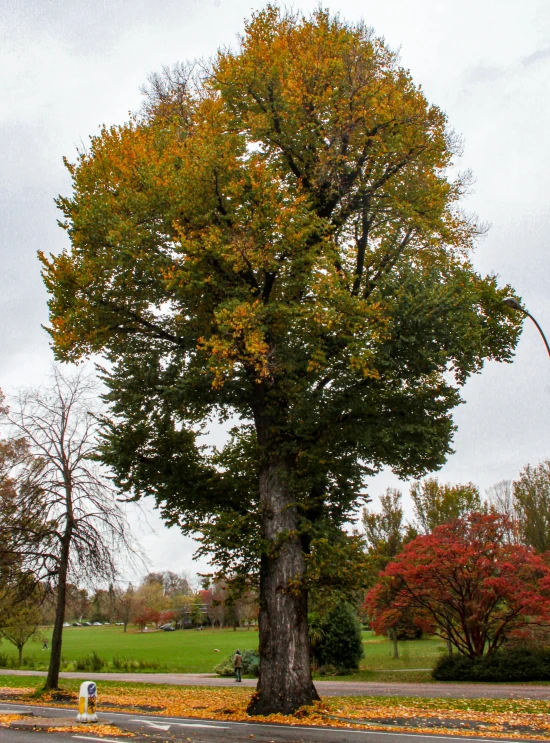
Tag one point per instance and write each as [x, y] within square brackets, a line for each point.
[515, 305]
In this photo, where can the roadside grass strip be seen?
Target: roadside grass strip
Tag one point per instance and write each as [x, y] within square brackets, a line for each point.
[523, 719]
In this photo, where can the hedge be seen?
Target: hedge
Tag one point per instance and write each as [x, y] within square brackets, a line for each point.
[512, 664]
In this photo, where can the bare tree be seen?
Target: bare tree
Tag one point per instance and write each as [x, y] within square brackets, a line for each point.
[69, 525]
[247, 608]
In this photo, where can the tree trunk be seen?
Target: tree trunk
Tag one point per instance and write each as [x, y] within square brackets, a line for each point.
[449, 647]
[20, 656]
[285, 681]
[52, 680]
[395, 645]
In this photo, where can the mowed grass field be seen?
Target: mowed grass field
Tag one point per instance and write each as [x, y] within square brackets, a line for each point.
[190, 651]
[183, 651]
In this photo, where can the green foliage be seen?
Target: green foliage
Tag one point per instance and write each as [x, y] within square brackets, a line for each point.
[332, 291]
[436, 504]
[91, 662]
[532, 504]
[250, 667]
[507, 664]
[341, 644]
[131, 665]
[386, 532]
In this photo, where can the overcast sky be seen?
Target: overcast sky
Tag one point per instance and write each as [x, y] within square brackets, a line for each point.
[68, 67]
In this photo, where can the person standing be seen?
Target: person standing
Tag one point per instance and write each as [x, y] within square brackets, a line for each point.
[238, 665]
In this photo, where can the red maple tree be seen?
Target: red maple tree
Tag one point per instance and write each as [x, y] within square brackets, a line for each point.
[465, 583]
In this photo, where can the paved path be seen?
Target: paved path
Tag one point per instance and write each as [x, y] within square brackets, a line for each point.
[326, 688]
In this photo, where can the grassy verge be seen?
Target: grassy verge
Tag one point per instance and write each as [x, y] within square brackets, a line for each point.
[385, 677]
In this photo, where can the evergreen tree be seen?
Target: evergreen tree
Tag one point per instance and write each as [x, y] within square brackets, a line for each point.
[341, 644]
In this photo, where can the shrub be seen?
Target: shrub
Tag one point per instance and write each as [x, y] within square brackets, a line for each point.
[130, 664]
[508, 664]
[92, 662]
[4, 660]
[251, 664]
[225, 667]
[341, 645]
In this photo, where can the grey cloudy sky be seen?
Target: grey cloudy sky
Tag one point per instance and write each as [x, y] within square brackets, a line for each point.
[66, 67]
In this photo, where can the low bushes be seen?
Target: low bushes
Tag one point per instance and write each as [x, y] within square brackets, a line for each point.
[94, 662]
[91, 662]
[129, 664]
[510, 664]
[29, 661]
[251, 665]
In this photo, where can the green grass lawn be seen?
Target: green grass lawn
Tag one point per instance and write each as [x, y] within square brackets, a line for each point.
[413, 654]
[189, 651]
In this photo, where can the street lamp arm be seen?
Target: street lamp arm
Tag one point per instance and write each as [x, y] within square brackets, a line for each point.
[515, 305]
[538, 328]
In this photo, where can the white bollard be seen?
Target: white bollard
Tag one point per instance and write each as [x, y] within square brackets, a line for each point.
[87, 702]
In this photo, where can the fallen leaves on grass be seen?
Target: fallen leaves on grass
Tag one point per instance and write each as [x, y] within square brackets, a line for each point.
[514, 718]
[8, 692]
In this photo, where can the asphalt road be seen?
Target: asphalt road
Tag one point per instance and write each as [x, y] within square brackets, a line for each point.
[328, 688]
[156, 729]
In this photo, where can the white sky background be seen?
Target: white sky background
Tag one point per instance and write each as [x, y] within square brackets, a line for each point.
[67, 67]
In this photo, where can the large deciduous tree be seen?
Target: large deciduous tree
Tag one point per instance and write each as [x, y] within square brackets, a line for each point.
[466, 583]
[276, 238]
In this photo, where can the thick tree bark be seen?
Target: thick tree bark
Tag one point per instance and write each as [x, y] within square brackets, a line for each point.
[285, 681]
[52, 680]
